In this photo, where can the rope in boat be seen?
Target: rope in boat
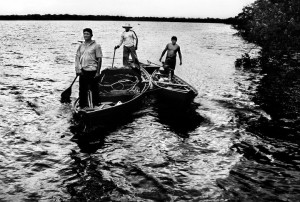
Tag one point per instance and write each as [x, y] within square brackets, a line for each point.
[122, 83]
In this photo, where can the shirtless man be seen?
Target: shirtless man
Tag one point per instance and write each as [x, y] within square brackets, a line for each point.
[172, 49]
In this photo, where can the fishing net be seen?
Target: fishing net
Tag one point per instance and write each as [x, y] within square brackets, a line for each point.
[122, 84]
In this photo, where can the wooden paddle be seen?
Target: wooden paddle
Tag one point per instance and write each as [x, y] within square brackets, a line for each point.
[154, 63]
[112, 66]
[65, 96]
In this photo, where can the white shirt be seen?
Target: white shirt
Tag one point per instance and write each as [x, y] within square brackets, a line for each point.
[128, 39]
[86, 56]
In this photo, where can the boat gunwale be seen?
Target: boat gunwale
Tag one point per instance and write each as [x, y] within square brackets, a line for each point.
[91, 112]
[187, 85]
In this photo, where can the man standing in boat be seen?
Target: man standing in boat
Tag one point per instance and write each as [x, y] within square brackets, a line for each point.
[87, 65]
[130, 41]
[172, 49]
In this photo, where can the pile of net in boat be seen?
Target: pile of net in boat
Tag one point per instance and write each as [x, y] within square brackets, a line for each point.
[119, 83]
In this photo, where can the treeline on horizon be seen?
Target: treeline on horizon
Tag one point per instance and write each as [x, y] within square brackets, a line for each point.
[114, 18]
[274, 25]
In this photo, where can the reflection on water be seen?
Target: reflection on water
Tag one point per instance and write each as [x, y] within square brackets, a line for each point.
[269, 168]
[158, 153]
[179, 120]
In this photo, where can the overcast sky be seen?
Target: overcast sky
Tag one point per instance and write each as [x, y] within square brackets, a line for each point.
[159, 8]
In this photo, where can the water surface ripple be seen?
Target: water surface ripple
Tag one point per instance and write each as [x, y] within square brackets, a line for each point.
[157, 154]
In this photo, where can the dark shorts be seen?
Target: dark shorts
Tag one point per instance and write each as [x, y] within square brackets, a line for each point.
[170, 62]
[129, 51]
[87, 82]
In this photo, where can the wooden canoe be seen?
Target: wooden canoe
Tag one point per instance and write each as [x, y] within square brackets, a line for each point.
[177, 91]
[113, 101]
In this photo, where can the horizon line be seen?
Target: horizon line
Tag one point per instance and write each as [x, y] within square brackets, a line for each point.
[119, 16]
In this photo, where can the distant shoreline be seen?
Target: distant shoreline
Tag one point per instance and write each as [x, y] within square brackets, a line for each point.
[67, 17]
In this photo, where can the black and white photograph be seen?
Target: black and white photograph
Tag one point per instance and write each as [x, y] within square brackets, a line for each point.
[150, 101]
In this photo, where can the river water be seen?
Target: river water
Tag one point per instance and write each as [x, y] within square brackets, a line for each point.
[205, 153]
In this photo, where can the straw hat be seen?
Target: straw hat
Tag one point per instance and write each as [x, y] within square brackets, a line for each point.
[127, 25]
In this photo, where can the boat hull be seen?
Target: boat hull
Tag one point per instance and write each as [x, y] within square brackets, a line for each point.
[178, 92]
[111, 114]
[174, 97]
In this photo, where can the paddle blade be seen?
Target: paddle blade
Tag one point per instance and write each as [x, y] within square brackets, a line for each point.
[65, 96]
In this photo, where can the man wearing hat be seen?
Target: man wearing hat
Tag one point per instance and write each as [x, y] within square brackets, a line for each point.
[130, 41]
[88, 63]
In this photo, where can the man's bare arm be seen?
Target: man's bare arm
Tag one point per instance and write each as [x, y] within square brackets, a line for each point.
[99, 64]
[163, 53]
[180, 56]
